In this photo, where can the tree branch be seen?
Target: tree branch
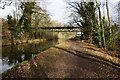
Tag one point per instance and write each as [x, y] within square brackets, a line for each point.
[3, 7]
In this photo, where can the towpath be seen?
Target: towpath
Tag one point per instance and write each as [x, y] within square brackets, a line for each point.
[70, 59]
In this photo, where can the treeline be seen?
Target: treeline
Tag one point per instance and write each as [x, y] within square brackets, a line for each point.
[97, 28]
[26, 16]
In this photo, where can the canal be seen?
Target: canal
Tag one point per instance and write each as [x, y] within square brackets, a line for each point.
[12, 55]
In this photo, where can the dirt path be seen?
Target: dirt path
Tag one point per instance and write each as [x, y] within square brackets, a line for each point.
[62, 61]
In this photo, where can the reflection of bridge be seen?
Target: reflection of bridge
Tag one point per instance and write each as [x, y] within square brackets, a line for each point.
[56, 29]
[59, 29]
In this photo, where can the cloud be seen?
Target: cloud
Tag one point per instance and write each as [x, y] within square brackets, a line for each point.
[57, 9]
[7, 11]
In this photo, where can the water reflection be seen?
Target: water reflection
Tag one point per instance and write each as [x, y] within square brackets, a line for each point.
[12, 55]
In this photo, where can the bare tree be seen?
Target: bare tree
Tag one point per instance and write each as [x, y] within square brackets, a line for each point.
[4, 3]
[119, 12]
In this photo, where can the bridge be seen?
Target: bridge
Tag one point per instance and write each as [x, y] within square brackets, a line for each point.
[56, 29]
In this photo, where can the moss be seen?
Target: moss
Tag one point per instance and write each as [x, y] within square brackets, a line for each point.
[24, 62]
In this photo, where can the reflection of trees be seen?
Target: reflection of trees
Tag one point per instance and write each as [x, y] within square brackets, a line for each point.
[15, 55]
[18, 53]
[27, 56]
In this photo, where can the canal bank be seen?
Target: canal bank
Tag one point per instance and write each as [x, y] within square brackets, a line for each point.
[27, 49]
[70, 59]
[15, 54]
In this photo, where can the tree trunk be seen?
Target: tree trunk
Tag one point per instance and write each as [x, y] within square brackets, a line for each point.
[108, 15]
[103, 33]
[99, 27]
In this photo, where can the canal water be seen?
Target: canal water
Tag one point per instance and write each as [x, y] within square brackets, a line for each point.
[12, 55]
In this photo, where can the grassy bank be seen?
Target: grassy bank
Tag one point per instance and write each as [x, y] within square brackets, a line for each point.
[34, 37]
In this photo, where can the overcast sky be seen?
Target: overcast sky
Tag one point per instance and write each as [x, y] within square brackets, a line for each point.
[57, 9]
